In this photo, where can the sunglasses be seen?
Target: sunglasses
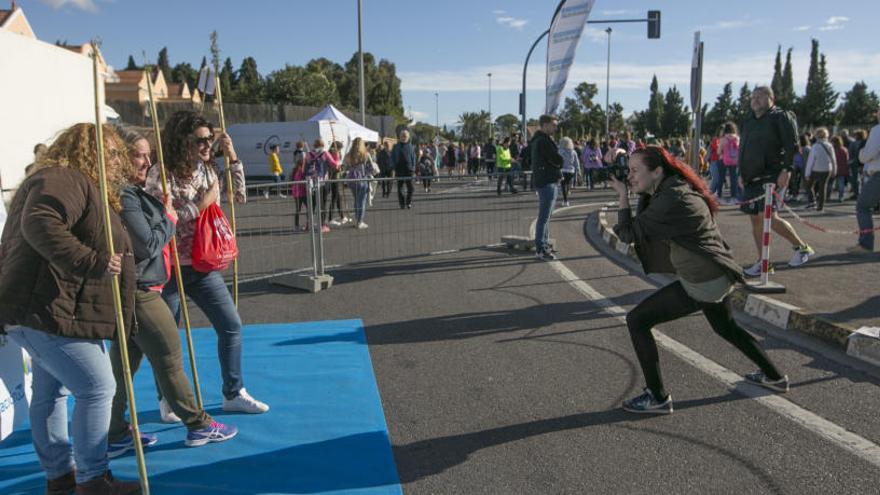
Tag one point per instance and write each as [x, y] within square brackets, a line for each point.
[204, 141]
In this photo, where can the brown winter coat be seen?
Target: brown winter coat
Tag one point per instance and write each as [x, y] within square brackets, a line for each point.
[53, 259]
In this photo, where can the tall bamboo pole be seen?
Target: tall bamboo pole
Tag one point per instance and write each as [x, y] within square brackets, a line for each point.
[177, 273]
[230, 190]
[114, 280]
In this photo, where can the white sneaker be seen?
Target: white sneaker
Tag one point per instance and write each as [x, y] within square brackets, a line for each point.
[801, 255]
[266, 194]
[166, 413]
[282, 195]
[244, 403]
[335, 223]
[755, 270]
[361, 225]
[345, 220]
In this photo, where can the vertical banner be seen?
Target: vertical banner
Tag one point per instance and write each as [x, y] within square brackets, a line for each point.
[565, 33]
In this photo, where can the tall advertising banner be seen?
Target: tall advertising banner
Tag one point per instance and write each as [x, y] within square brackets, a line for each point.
[565, 34]
[696, 100]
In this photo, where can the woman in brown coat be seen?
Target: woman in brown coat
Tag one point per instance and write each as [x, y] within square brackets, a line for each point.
[56, 302]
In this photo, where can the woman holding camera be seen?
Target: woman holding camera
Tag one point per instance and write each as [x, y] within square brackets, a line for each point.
[674, 231]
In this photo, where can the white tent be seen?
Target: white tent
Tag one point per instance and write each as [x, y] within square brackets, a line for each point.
[355, 130]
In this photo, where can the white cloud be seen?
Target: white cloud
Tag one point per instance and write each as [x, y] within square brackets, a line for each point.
[417, 115]
[845, 68]
[509, 21]
[834, 23]
[730, 24]
[801, 28]
[87, 5]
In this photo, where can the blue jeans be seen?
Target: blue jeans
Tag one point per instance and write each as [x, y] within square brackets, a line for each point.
[209, 292]
[716, 170]
[361, 192]
[546, 199]
[64, 366]
[869, 196]
[733, 171]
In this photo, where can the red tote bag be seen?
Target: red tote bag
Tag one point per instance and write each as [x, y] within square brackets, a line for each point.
[213, 247]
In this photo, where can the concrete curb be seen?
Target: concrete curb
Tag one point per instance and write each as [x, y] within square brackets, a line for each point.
[863, 343]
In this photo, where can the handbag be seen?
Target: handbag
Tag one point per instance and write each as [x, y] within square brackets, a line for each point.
[213, 246]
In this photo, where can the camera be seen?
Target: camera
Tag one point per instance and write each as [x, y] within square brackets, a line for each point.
[619, 170]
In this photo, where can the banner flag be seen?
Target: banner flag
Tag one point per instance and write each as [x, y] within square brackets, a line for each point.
[565, 34]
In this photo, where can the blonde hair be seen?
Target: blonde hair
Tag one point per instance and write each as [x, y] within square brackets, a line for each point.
[358, 152]
[76, 148]
[567, 143]
[822, 133]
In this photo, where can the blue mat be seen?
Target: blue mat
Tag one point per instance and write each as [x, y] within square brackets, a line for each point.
[325, 431]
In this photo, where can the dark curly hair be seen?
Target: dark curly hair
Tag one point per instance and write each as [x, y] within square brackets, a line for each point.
[177, 138]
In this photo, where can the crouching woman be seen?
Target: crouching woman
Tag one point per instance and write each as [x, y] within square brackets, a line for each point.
[674, 231]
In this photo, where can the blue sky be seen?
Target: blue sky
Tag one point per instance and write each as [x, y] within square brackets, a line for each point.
[450, 46]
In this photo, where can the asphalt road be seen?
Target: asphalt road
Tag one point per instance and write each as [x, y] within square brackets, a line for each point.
[497, 375]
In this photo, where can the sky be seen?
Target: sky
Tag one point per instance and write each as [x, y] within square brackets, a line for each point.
[449, 47]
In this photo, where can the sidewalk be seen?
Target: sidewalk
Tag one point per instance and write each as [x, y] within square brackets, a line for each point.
[831, 296]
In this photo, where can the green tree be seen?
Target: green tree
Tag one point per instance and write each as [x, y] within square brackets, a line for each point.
[786, 98]
[249, 86]
[474, 126]
[385, 97]
[675, 114]
[131, 65]
[743, 104]
[507, 124]
[581, 112]
[654, 114]
[163, 64]
[776, 84]
[298, 86]
[859, 106]
[817, 106]
[616, 122]
[722, 111]
[227, 78]
[423, 132]
[183, 72]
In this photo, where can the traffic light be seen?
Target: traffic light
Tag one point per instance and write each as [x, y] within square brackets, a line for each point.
[653, 24]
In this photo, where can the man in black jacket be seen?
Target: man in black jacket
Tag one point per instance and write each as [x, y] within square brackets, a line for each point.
[403, 158]
[766, 153]
[547, 169]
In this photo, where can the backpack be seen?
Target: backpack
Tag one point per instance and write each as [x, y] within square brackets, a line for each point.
[316, 166]
[730, 151]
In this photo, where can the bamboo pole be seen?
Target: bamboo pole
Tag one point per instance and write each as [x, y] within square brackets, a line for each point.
[177, 273]
[117, 296]
[230, 190]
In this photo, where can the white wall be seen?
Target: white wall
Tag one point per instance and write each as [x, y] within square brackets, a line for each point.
[43, 90]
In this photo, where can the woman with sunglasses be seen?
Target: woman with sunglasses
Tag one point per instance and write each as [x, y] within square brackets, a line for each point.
[195, 181]
[674, 231]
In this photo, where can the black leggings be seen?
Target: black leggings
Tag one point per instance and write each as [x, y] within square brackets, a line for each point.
[567, 179]
[671, 303]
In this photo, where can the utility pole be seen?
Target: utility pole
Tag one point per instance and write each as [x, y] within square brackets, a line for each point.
[491, 127]
[361, 67]
[608, 85]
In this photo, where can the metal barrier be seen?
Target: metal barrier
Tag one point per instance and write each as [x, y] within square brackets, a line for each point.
[447, 214]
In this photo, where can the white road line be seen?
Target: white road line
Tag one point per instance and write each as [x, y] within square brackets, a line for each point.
[851, 442]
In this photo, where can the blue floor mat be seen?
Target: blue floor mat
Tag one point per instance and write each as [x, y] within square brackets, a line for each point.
[325, 431]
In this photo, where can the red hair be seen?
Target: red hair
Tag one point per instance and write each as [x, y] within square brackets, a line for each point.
[655, 156]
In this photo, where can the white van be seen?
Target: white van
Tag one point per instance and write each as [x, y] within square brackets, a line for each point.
[252, 142]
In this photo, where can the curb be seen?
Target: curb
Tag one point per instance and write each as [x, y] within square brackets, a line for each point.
[863, 343]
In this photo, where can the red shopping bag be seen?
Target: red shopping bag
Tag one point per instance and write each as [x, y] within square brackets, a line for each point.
[213, 246]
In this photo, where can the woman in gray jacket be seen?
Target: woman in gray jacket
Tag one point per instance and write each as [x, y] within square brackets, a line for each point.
[150, 226]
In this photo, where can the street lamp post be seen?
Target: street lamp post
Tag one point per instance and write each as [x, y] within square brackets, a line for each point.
[361, 68]
[608, 84]
[491, 130]
[437, 109]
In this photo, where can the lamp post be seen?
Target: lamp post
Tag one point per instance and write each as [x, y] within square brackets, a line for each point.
[437, 109]
[491, 130]
[607, 84]
[361, 68]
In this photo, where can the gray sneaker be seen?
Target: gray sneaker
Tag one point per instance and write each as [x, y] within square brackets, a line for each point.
[647, 404]
[760, 379]
[545, 255]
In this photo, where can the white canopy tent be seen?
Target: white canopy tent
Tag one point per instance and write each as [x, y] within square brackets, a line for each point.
[355, 130]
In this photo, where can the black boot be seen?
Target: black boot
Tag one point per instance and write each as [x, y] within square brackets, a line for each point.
[106, 484]
[62, 485]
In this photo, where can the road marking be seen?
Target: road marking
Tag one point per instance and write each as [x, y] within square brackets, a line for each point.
[849, 441]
